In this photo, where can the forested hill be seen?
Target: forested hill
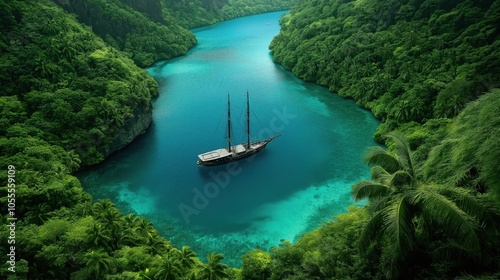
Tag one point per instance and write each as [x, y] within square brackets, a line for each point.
[62, 84]
[410, 60]
[415, 63]
[430, 69]
[67, 99]
[195, 13]
[144, 36]
[153, 30]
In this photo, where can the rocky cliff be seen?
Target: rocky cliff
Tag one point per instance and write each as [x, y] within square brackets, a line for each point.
[131, 129]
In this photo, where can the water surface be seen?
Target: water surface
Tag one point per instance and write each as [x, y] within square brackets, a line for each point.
[299, 181]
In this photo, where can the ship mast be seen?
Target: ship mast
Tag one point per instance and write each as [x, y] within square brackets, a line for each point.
[228, 124]
[248, 122]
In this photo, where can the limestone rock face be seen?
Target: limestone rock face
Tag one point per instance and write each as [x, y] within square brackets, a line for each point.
[130, 130]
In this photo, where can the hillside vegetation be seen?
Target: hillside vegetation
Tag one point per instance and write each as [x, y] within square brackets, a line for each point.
[195, 13]
[431, 220]
[429, 68]
[66, 98]
[149, 31]
[411, 60]
[144, 36]
[64, 85]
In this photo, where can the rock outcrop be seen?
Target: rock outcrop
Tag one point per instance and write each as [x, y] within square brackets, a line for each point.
[130, 130]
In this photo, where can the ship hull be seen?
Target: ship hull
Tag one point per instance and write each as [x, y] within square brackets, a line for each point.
[234, 156]
[233, 153]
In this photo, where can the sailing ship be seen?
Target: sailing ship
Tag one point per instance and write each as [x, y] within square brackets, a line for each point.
[236, 152]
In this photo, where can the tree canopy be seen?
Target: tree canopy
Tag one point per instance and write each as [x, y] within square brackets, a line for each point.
[430, 69]
[142, 36]
[195, 13]
[404, 60]
[66, 96]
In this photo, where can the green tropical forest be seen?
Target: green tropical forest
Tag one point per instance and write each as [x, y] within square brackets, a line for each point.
[73, 91]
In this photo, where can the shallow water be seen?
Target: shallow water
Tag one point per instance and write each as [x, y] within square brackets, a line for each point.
[299, 181]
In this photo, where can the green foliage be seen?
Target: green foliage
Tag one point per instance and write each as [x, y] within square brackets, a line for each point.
[213, 269]
[421, 137]
[103, 243]
[145, 39]
[98, 263]
[155, 30]
[415, 65]
[80, 92]
[404, 60]
[329, 252]
[187, 257]
[65, 98]
[410, 219]
[256, 265]
[169, 268]
[238, 8]
[469, 155]
[195, 13]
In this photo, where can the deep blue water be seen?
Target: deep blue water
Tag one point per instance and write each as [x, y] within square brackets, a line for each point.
[299, 181]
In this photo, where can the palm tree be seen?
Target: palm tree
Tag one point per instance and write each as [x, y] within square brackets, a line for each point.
[187, 257]
[148, 273]
[405, 71]
[98, 263]
[403, 111]
[156, 245]
[72, 161]
[102, 206]
[69, 50]
[107, 214]
[50, 27]
[399, 204]
[193, 275]
[83, 209]
[130, 219]
[41, 65]
[213, 269]
[39, 214]
[169, 269]
[98, 236]
[144, 233]
[143, 226]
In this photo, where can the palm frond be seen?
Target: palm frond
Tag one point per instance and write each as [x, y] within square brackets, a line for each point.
[451, 251]
[369, 190]
[378, 156]
[455, 221]
[401, 178]
[399, 228]
[380, 175]
[472, 205]
[378, 204]
[403, 150]
[370, 232]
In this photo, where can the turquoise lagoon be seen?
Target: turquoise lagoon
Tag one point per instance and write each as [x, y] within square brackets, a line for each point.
[297, 183]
